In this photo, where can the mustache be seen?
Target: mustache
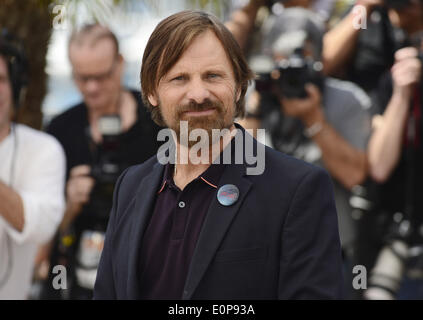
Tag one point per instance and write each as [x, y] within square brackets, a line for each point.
[194, 106]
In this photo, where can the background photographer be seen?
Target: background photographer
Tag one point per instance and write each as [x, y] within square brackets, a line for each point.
[242, 21]
[360, 48]
[103, 135]
[362, 53]
[395, 158]
[317, 119]
[32, 178]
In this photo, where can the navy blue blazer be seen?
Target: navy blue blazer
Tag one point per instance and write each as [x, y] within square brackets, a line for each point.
[278, 241]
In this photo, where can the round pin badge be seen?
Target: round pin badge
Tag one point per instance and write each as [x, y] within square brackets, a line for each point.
[228, 194]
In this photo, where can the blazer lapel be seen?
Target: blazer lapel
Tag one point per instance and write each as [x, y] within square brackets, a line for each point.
[143, 209]
[216, 223]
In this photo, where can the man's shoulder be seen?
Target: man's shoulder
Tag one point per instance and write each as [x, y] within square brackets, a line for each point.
[73, 115]
[282, 166]
[136, 173]
[278, 165]
[30, 138]
[144, 167]
[129, 182]
[285, 177]
[345, 93]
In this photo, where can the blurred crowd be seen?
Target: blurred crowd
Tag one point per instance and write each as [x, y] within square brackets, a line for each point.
[338, 84]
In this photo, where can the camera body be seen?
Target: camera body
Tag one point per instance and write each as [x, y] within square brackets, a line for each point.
[106, 167]
[391, 263]
[290, 76]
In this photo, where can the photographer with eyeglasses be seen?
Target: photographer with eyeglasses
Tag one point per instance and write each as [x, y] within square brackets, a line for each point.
[103, 135]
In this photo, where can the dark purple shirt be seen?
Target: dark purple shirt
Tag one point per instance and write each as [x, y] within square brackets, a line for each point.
[171, 236]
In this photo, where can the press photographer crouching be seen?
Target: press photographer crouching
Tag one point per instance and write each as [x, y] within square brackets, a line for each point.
[317, 119]
[109, 131]
[395, 158]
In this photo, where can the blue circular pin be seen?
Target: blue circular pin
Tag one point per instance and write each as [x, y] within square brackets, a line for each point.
[228, 194]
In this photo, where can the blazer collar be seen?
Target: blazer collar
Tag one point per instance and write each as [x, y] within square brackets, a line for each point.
[144, 206]
[217, 221]
[214, 228]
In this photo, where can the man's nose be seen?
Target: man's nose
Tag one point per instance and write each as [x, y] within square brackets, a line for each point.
[91, 85]
[197, 91]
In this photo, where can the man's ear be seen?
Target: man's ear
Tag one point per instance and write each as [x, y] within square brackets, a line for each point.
[153, 99]
[238, 94]
[121, 62]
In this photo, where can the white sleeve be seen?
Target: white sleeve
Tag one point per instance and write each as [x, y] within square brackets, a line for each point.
[42, 192]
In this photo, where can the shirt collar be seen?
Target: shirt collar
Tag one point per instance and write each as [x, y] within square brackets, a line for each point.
[210, 177]
[212, 174]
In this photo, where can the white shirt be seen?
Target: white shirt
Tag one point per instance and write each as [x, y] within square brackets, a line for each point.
[38, 177]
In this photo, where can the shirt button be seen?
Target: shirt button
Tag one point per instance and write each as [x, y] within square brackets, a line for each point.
[181, 204]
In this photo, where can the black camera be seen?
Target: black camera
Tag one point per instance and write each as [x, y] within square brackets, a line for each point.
[290, 76]
[107, 166]
[392, 261]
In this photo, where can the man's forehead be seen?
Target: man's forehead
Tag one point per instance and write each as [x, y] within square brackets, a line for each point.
[86, 60]
[205, 50]
[205, 64]
[103, 47]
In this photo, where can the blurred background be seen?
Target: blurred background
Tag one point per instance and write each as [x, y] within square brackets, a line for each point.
[45, 28]
[351, 69]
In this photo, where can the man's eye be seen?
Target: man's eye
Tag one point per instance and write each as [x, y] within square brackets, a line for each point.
[178, 78]
[213, 75]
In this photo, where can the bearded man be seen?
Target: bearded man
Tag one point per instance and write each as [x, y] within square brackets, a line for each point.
[212, 229]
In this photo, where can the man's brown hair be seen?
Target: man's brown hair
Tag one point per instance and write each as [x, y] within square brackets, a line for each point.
[169, 41]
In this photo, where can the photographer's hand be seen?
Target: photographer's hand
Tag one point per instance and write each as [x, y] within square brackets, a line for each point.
[78, 189]
[339, 43]
[385, 144]
[11, 207]
[344, 162]
[406, 71]
[308, 110]
[242, 21]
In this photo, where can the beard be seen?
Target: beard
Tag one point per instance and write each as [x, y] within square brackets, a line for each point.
[217, 120]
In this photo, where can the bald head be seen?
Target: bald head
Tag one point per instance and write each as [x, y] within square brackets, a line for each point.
[90, 35]
[97, 66]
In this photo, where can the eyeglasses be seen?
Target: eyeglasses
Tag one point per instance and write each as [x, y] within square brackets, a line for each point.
[101, 77]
